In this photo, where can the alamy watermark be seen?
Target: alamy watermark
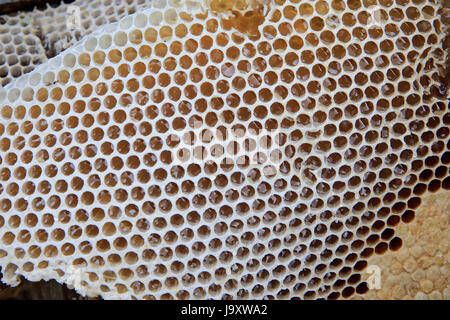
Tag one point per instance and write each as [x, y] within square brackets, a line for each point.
[73, 17]
[374, 280]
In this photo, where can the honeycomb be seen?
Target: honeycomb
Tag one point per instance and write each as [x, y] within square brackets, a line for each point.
[420, 269]
[225, 149]
[20, 49]
[29, 38]
[52, 26]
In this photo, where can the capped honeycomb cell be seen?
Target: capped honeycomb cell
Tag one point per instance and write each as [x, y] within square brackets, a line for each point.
[227, 150]
[420, 269]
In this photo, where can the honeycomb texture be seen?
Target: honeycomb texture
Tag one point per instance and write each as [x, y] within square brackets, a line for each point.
[20, 49]
[29, 38]
[52, 22]
[420, 270]
[225, 150]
